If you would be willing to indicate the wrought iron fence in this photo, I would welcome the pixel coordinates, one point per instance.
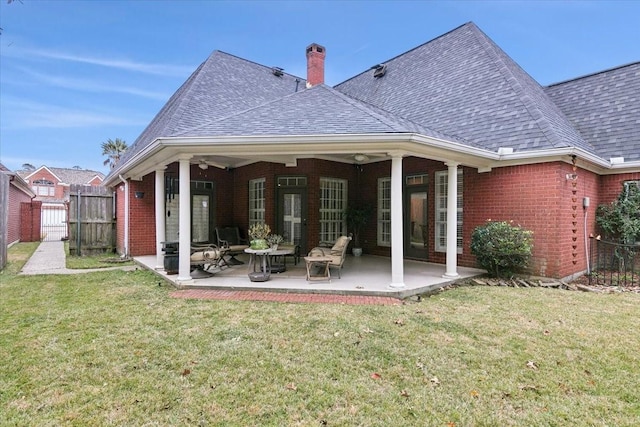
(614, 264)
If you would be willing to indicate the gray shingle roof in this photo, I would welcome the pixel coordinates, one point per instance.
(462, 84)
(68, 175)
(605, 108)
(224, 84)
(459, 87)
(320, 110)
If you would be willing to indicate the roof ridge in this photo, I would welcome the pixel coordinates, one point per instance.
(468, 23)
(607, 70)
(540, 119)
(366, 108)
(237, 113)
(257, 63)
(370, 109)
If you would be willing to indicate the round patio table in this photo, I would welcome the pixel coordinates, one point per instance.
(263, 265)
(280, 267)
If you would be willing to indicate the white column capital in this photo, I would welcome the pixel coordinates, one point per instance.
(183, 157)
(396, 154)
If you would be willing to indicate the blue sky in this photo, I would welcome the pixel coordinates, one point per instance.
(76, 73)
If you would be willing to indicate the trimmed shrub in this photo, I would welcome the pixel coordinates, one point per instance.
(501, 248)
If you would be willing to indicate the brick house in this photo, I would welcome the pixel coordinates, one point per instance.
(437, 139)
(51, 187)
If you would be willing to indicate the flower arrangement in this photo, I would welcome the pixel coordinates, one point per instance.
(274, 239)
(258, 233)
(259, 230)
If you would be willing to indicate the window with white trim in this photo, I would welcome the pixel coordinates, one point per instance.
(384, 211)
(333, 202)
(44, 187)
(256, 201)
(441, 182)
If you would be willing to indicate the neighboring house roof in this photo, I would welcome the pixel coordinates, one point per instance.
(462, 84)
(17, 181)
(65, 176)
(224, 84)
(605, 108)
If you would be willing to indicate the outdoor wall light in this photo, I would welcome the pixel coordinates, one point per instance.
(139, 194)
(359, 157)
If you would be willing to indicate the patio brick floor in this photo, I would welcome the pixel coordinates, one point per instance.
(283, 297)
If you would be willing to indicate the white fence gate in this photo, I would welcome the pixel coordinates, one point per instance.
(54, 222)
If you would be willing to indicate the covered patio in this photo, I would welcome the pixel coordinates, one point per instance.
(365, 275)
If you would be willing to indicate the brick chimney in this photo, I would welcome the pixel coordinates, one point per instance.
(315, 64)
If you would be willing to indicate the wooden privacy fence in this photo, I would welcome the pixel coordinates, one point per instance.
(91, 220)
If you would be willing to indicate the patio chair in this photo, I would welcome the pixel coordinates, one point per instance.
(337, 252)
(209, 255)
(229, 238)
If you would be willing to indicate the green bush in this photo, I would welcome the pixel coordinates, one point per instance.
(620, 220)
(501, 248)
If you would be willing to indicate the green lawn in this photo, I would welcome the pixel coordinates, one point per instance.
(112, 348)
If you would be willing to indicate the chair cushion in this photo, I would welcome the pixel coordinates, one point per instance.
(237, 248)
(340, 244)
(211, 254)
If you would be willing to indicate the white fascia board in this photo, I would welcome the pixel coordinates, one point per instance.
(318, 145)
(627, 167)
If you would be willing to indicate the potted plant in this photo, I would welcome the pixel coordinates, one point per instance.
(274, 240)
(357, 217)
(258, 233)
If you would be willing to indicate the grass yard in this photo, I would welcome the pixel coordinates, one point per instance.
(112, 348)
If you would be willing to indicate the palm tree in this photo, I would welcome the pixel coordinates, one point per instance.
(113, 150)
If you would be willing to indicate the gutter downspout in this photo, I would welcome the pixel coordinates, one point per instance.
(126, 215)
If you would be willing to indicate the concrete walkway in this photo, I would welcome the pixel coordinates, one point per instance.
(50, 258)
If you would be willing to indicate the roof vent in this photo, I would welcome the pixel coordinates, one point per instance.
(277, 71)
(616, 160)
(379, 70)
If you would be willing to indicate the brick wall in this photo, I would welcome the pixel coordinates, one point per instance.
(15, 200)
(611, 185)
(142, 226)
(537, 197)
(312, 169)
(60, 190)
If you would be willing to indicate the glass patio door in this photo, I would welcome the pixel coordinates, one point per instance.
(202, 213)
(416, 223)
(292, 217)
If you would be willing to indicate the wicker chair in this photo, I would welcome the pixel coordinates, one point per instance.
(337, 252)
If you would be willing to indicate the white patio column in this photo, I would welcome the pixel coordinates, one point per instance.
(452, 221)
(160, 218)
(397, 235)
(184, 228)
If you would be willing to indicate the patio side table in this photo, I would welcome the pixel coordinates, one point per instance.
(264, 264)
(280, 267)
(324, 262)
